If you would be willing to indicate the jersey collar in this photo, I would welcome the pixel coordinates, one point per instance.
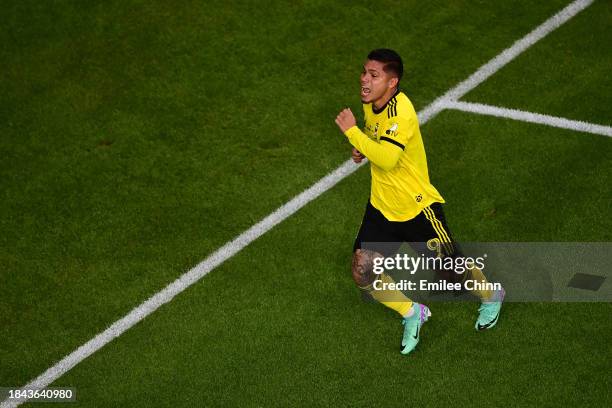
(382, 108)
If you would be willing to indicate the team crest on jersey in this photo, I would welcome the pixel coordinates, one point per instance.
(392, 130)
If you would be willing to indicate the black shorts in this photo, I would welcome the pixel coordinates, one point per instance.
(427, 233)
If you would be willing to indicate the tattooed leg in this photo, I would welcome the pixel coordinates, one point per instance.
(364, 277)
(363, 267)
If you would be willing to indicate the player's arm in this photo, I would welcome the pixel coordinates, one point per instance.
(356, 155)
(385, 154)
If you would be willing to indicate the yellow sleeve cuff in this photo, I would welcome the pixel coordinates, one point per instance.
(352, 132)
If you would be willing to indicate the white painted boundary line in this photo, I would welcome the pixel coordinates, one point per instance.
(529, 117)
(232, 248)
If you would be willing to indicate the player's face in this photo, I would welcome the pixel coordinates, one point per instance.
(375, 82)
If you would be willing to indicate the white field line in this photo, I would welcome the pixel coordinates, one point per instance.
(507, 55)
(529, 117)
(231, 248)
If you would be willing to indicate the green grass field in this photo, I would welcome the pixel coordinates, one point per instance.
(137, 137)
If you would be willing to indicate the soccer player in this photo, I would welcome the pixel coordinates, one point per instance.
(404, 206)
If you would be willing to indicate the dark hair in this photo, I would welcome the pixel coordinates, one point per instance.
(391, 59)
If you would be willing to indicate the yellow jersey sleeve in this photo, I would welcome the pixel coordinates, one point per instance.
(384, 155)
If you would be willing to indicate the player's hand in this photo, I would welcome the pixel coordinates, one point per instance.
(357, 156)
(345, 120)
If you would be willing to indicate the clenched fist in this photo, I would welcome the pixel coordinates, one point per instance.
(345, 120)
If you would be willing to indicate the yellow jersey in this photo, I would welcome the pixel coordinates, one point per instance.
(392, 143)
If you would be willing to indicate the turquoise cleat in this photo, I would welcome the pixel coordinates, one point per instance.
(412, 327)
(489, 311)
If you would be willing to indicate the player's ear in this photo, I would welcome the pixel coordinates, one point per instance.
(393, 82)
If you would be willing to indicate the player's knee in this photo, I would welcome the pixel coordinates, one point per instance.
(363, 267)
